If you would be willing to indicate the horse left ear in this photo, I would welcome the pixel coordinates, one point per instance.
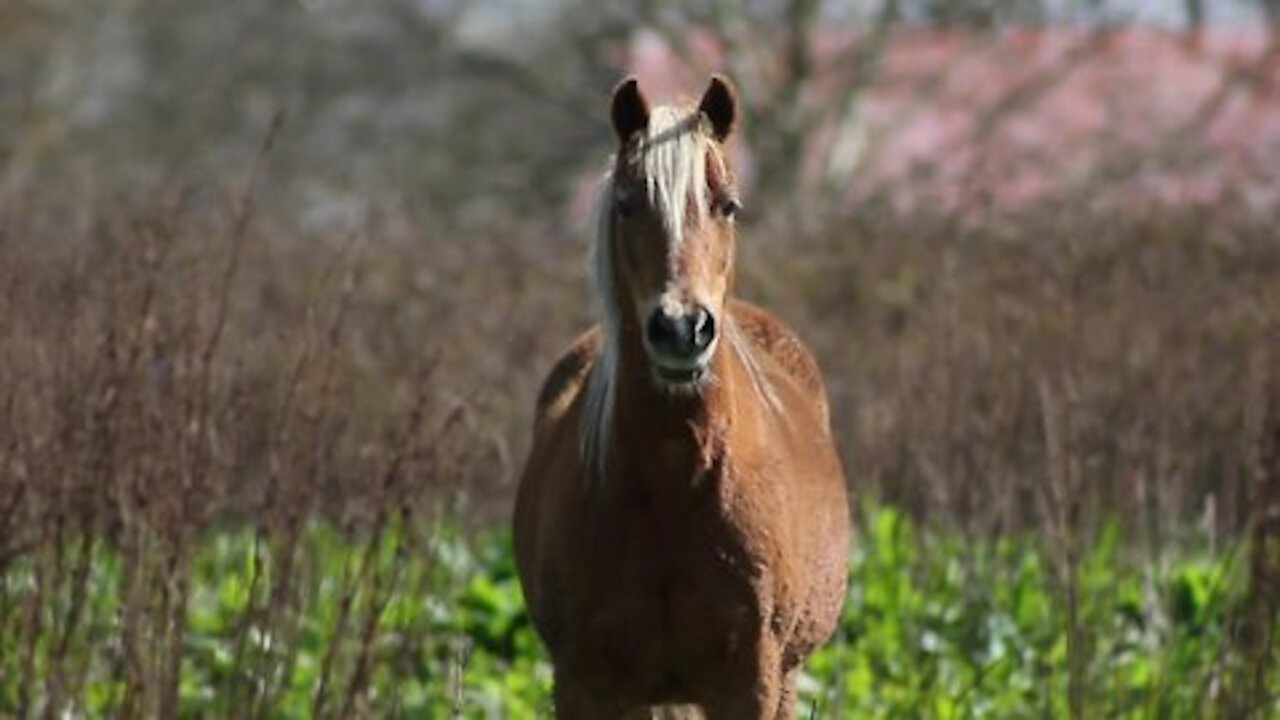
(720, 106)
(629, 110)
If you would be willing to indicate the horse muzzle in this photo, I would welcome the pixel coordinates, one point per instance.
(680, 344)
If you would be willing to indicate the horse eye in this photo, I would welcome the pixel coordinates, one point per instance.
(730, 207)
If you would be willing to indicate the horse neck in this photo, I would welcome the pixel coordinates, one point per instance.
(674, 435)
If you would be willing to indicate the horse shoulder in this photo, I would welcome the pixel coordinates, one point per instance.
(539, 496)
(780, 343)
(564, 382)
(813, 609)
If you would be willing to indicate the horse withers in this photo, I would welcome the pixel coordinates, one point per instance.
(682, 526)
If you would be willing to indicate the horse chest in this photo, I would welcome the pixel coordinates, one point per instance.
(669, 590)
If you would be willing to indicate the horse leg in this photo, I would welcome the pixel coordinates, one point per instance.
(757, 692)
(574, 702)
(787, 696)
(758, 701)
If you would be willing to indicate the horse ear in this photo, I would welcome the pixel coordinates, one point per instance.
(629, 110)
(720, 105)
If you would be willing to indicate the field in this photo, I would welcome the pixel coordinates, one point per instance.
(400, 624)
(279, 283)
(250, 474)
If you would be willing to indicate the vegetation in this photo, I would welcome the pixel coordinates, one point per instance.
(398, 624)
(235, 491)
(258, 442)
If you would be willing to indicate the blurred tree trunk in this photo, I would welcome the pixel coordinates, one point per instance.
(778, 128)
(1270, 11)
(985, 13)
(1194, 12)
(769, 51)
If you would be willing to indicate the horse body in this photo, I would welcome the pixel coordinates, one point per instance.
(700, 555)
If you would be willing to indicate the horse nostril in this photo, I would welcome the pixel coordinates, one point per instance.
(663, 331)
(704, 328)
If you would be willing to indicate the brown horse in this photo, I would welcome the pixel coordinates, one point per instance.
(681, 527)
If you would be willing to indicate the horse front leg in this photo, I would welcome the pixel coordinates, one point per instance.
(574, 701)
(757, 691)
(787, 697)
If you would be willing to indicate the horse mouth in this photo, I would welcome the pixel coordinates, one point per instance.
(679, 377)
(680, 374)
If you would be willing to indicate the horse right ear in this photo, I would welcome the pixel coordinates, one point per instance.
(629, 109)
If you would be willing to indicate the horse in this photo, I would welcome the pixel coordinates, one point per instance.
(681, 525)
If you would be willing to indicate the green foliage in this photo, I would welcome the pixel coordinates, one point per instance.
(936, 625)
(948, 626)
(451, 635)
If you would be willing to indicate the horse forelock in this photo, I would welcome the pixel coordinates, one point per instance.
(672, 158)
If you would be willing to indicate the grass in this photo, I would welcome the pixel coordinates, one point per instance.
(245, 473)
(405, 624)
